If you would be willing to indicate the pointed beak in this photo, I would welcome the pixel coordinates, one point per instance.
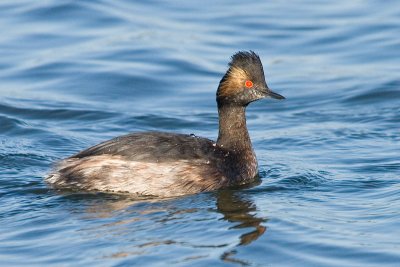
(274, 95)
(269, 93)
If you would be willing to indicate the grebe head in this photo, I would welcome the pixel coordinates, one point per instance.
(244, 82)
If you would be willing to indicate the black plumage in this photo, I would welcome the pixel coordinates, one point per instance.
(167, 164)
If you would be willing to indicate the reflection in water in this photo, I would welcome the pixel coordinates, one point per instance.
(238, 210)
(124, 218)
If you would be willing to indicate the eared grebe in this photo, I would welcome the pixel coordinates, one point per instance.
(167, 164)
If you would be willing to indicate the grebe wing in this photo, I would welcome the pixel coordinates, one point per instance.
(155, 146)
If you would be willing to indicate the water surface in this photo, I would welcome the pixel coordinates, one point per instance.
(77, 73)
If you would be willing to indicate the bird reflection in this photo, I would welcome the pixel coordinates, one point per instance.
(127, 213)
(232, 204)
(237, 209)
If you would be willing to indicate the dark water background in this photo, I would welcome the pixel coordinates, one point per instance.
(74, 73)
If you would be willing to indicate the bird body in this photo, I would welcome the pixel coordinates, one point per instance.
(167, 164)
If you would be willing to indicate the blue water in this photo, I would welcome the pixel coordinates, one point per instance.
(74, 73)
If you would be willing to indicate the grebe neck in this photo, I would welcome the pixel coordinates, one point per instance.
(233, 132)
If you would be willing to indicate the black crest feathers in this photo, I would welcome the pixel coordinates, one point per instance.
(244, 59)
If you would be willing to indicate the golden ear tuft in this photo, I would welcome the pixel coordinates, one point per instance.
(233, 81)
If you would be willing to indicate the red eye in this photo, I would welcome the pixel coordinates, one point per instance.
(248, 84)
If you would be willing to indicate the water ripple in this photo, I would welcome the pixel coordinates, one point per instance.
(77, 73)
